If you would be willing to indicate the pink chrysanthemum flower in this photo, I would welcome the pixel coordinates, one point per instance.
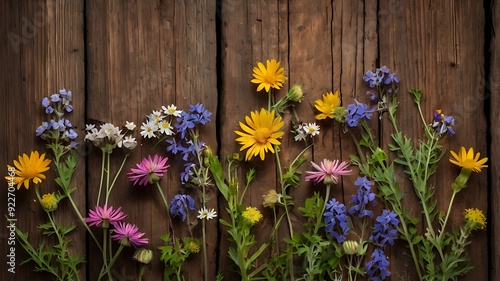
(149, 170)
(103, 216)
(328, 171)
(128, 234)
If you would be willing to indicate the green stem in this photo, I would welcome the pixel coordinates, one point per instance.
(447, 216)
(112, 262)
(103, 160)
(166, 207)
(205, 259)
(83, 221)
(116, 176)
(320, 215)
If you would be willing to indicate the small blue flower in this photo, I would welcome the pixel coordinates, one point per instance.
(55, 98)
(49, 110)
(443, 123)
(45, 102)
(357, 111)
(376, 269)
(385, 230)
(71, 134)
(335, 220)
(362, 198)
(180, 205)
(172, 146)
(187, 172)
(68, 108)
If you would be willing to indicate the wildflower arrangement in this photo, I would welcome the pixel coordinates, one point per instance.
(338, 239)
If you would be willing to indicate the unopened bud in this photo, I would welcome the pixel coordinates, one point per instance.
(351, 247)
(143, 255)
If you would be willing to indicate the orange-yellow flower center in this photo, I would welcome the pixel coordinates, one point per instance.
(30, 172)
(262, 135)
(271, 79)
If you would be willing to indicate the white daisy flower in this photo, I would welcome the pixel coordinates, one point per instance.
(156, 116)
(149, 129)
(311, 129)
(165, 128)
(172, 110)
(207, 214)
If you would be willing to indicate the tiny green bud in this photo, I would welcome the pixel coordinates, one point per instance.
(296, 93)
(461, 180)
(339, 114)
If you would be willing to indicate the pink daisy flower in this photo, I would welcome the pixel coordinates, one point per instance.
(128, 234)
(103, 216)
(149, 170)
(328, 171)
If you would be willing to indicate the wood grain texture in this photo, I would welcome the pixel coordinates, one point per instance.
(123, 59)
(142, 55)
(432, 48)
(40, 56)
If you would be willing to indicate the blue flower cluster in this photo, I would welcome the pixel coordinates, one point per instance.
(58, 128)
(385, 230)
(336, 220)
(362, 198)
(185, 145)
(376, 268)
(180, 205)
(357, 111)
(381, 76)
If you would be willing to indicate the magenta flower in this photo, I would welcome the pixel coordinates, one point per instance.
(329, 171)
(104, 216)
(128, 234)
(149, 170)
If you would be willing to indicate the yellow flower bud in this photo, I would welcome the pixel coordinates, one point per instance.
(296, 93)
(49, 202)
(271, 198)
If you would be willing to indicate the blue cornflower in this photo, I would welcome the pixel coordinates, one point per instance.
(356, 111)
(362, 198)
(385, 230)
(335, 220)
(376, 269)
(443, 123)
(180, 205)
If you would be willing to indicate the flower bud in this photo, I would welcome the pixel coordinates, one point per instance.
(351, 247)
(49, 202)
(339, 114)
(296, 93)
(153, 178)
(270, 198)
(143, 255)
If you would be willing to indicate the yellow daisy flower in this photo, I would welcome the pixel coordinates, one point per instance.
(476, 218)
(30, 168)
(467, 160)
(260, 133)
(270, 76)
(327, 105)
(252, 215)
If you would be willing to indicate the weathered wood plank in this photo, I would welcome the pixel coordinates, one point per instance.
(433, 49)
(143, 55)
(493, 91)
(41, 56)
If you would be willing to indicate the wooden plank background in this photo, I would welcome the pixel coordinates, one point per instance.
(123, 59)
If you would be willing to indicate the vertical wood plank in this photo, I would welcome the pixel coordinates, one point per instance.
(43, 53)
(142, 55)
(431, 49)
(494, 90)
